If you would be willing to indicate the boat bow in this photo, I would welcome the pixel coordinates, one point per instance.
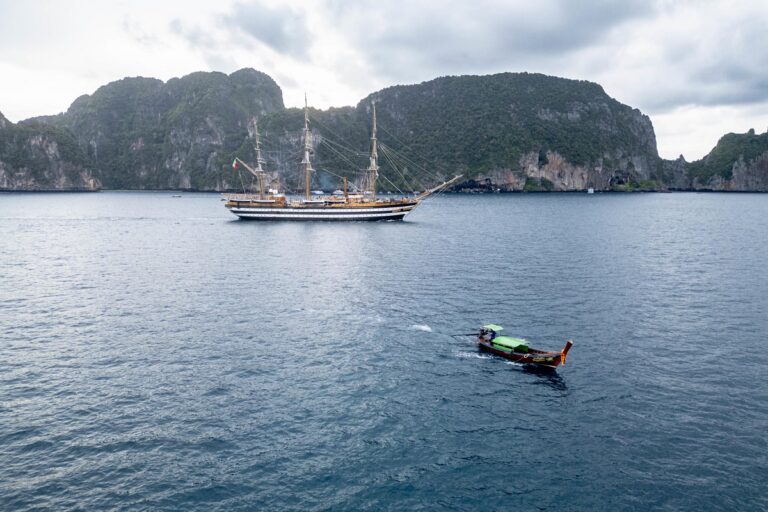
(564, 352)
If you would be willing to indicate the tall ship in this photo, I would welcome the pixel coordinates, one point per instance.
(340, 206)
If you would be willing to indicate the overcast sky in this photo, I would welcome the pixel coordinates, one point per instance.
(699, 69)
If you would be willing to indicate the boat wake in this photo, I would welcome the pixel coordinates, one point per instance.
(472, 355)
(421, 327)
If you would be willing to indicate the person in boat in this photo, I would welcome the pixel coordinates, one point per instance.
(487, 334)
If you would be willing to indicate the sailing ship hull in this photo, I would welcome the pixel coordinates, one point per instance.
(534, 358)
(371, 212)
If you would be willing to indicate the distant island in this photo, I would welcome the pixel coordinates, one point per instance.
(507, 132)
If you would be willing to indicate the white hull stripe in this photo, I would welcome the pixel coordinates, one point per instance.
(259, 215)
(327, 211)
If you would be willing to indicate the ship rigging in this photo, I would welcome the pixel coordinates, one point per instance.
(361, 205)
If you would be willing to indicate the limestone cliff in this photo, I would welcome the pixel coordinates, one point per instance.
(738, 163)
(41, 157)
(523, 131)
(552, 172)
(750, 176)
(503, 132)
(142, 133)
(509, 132)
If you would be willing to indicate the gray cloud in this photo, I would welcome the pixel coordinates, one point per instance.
(197, 38)
(219, 61)
(484, 36)
(680, 53)
(279, 28)
(212, 51)
(402, 41)
(138, 33)
(728, 67)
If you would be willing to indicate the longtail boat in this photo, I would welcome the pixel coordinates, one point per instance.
(518, 350)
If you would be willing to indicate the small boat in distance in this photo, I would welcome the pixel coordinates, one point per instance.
(518, 350)
(339, 206)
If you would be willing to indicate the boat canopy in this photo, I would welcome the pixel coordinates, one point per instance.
(516, 343)
(493, 327)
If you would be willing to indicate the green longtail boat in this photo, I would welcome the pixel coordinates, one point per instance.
(518, 350)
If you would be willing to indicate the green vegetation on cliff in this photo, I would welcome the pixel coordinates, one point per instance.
(141, 133)
(42, 157)
(509, 132)
(475, 125)
(145, 134)
(484, 123)
(730, 149)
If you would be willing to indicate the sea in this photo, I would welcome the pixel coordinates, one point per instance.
(158, 354)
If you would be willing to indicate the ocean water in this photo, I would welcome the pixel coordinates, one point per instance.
(158, 354)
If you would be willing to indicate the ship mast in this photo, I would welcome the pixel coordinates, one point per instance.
(259, 171)
(307, 148)
(373, 166)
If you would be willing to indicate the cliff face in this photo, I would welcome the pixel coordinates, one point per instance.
(142, 133)
(511, 131)
(504, 132)
(521, 131)
(552, 172)
(738, 163)
(751, 176)
(41, 157)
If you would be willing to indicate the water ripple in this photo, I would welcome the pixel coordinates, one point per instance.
(157, 356)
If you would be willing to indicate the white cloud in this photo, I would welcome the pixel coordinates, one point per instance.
(693, 130)
(698, 68)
